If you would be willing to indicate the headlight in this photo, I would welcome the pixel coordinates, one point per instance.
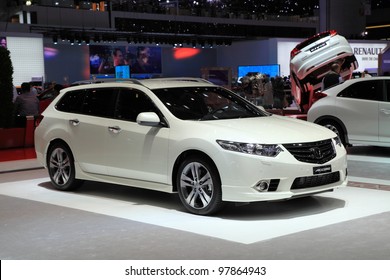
(337, 141)
(251, 148)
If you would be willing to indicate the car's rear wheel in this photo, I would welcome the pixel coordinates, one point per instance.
(336, 128)
(199, 186)
(60, 164)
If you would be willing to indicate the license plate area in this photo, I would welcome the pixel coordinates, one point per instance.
(317, 47)
(322, 169)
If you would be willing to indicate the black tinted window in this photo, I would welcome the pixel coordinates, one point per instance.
(312, 40)
(95, 102)
(367, 90)
(131, 102)
(206, 103)
(100, 102)
(71, 102)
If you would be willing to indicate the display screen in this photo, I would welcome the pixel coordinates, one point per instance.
(103, 60)
(272, 70)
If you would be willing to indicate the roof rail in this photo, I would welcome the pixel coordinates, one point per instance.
(184, 79)
(105, 80)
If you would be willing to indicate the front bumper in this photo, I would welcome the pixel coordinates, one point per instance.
(243, 172)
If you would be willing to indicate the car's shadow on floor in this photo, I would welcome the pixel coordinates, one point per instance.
(283, 210)
(279, 210)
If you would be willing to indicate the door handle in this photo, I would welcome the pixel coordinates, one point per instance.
(385, 111)
(114, 129)
(74, 122)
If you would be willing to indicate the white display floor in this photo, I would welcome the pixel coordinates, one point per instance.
(104, 221)
(243, 224)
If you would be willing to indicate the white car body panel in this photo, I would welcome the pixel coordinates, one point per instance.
(384, 122)
(138, 152)
(308, 61)
(366, 121)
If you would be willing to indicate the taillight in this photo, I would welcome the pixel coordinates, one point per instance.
(332, 32)
(38, 120)
(294, 52)
(317, 96)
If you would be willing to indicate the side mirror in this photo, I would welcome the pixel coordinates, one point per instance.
(148, 119)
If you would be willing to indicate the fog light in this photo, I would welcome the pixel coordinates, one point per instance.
(262, 185)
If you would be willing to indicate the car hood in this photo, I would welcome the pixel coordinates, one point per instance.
(266, 130)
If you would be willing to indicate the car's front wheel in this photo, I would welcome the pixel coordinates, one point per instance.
(60, 164)
(199, 186)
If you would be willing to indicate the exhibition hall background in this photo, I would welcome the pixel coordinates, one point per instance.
(65, 63)
(31, 29)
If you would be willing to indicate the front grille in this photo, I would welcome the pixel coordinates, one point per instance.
(315, 181)
(314, 152)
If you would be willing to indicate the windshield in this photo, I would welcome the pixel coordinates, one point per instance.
(206, 103)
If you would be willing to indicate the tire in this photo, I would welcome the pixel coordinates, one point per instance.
(336, 128)
(60, 164)
(199, 186)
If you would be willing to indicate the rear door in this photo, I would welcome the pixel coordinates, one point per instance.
(358, 108)
(88, 129)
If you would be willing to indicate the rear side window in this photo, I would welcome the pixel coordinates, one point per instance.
(72, 102)
(95, 102)
(366, 90)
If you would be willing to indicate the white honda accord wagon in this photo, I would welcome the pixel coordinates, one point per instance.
(187, 136)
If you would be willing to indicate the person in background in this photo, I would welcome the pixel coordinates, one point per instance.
(118, 58)
(26, 104)
(142, 64)
(268, 98)
(258, 88)
(109, 62)
(279, 94)
(332, 77)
